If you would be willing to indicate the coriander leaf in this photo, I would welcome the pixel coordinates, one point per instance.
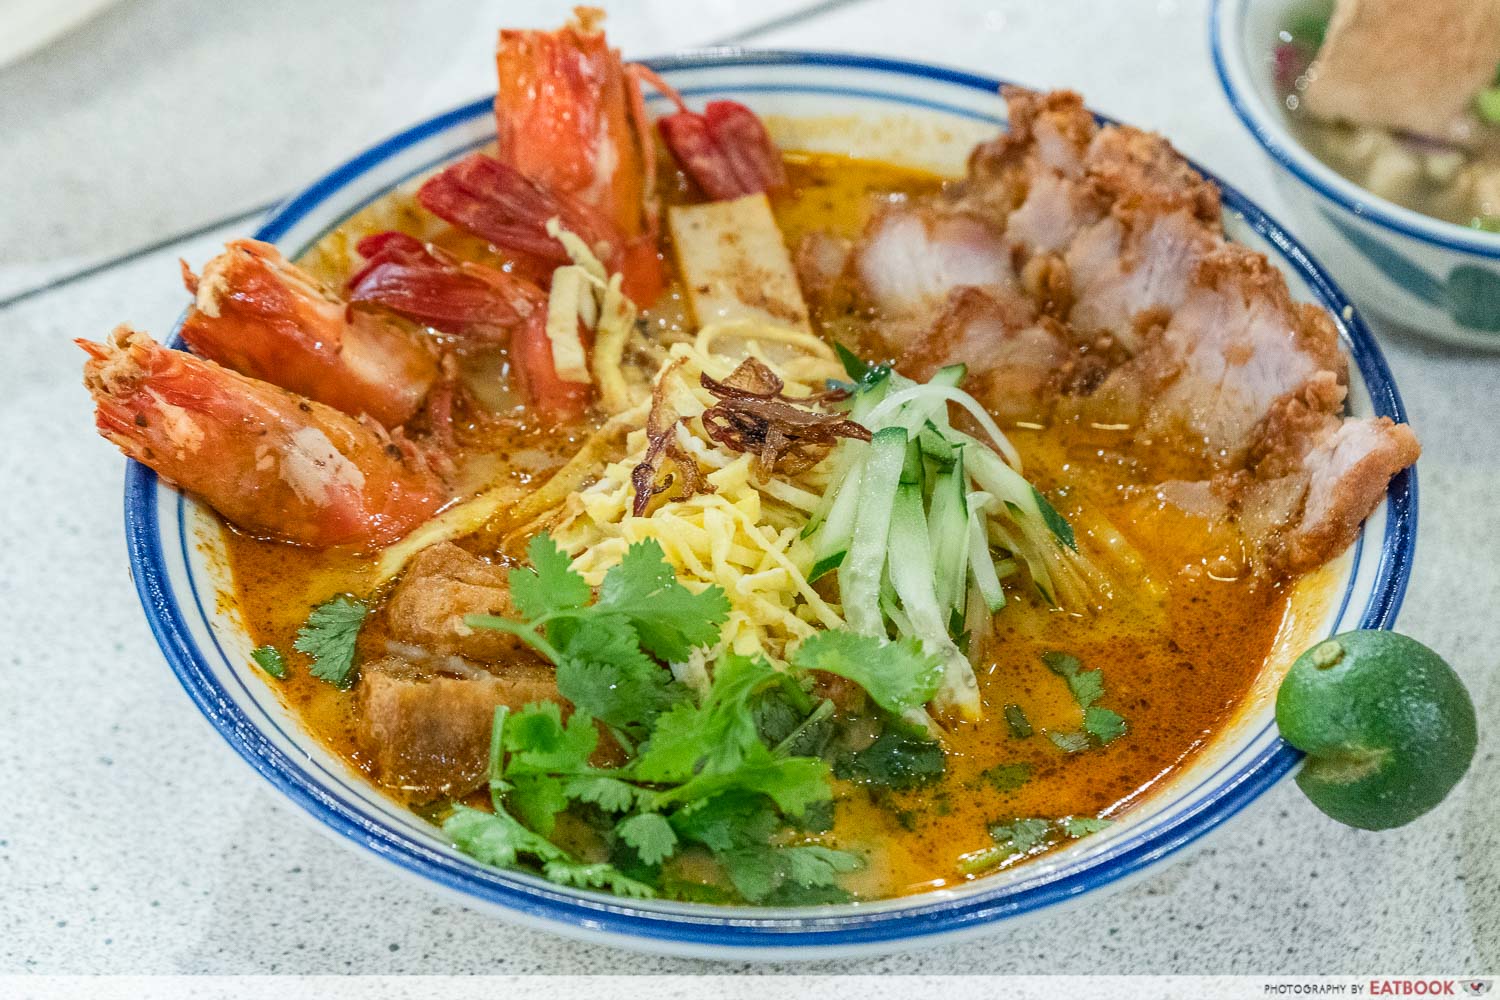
(673, 751)
(753, 871)
(1020, 726)
(1006, 777)
(816, 818)
(609, 794)
(269, 659)
(793, 783)
(651, 836)
(329, 637)
(894, 761)
(1103, 725)
(549, 585)
(596, 876)
(1069, 742)
(815, 866)
(496, 838)
(757, 872)
(603, 672)
(1082, 826)
(537, 799)
(1056, 523)
(726, 822)
(791, 894)
(714, 737)
(1087, 687)
(1062, 664)
(1022, 834)
(670, 619)
(775, 717)
(539, 743)
(898, 675)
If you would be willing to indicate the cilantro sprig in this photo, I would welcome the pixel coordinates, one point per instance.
(700, 776)
(604, 650)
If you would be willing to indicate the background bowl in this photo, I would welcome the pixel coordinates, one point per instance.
(1435, 277)
(904, 112)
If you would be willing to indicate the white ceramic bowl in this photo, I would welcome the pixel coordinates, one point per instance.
(1432, 276)
(922, 115)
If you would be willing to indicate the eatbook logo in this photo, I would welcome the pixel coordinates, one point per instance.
(1476, 987)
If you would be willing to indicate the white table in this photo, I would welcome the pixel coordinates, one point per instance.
(131, 840)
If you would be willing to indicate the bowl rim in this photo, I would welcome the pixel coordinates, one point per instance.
(1225, 31)
(735, 931)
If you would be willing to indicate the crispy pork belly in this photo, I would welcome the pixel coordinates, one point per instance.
(1409, 66)
(442, 584)
(427, 734)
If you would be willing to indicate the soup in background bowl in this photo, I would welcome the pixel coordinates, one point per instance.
(1404, 218)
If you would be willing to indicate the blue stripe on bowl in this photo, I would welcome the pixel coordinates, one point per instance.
(705, 929)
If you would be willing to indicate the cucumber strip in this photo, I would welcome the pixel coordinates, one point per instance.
(836, 531)
(981, 561)
(933, 396)
(952, 376)
(848, 454)
(912, 575)
(935, 445)
(912, 472)
(947, 525)
(859, 577)
(891, 605)
(912, 405)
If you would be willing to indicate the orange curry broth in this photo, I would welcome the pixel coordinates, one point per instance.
(1177, 657)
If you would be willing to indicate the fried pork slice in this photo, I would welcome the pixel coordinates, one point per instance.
(912, 258)
(1016, 358)
(1311, 514)
(442, 584)
(1236, 351)
(426, 734)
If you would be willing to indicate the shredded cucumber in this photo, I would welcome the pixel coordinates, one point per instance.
(947, 529)
(981, 562)
(859, 576)
(912, 521)
(913, 574)
(932, 396)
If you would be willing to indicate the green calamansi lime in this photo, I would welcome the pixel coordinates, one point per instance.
(1387, 726)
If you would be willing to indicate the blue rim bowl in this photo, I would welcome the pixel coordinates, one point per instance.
(197, 641)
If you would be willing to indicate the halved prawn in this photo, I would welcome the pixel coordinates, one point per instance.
(496, 202)
(271, 462)
(569, 117)
(263, 316)
(574, 144)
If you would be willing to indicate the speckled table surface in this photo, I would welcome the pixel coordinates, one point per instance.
(131, 840)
